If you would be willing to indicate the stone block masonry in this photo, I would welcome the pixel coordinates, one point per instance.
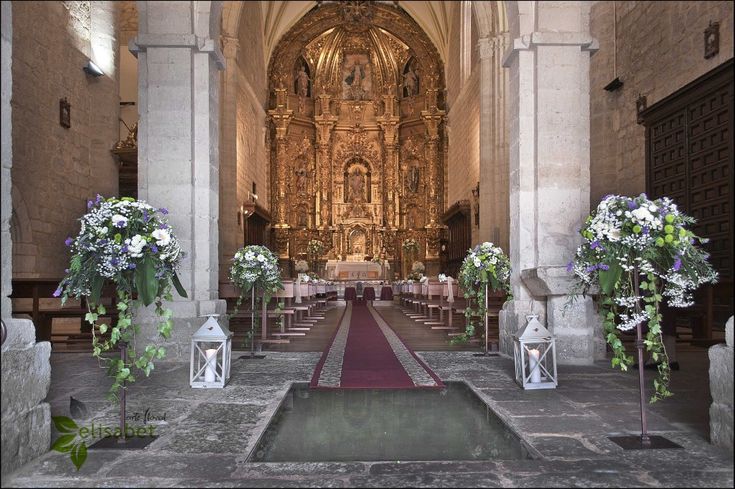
(660, 48)
(721, 390)
(55, 169)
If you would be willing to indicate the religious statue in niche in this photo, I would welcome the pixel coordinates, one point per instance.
(413, 218)
(412, 177)
(356, 182)
(302, 83)
(410, 80)
(356, 77)
(302, 177)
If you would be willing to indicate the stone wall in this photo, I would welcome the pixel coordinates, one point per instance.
(243, 158)
(55, 169)
(721, 389)
(463, 122)
(26, 371)
(660, 48)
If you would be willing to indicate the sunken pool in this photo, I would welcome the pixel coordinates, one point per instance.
(385, 425)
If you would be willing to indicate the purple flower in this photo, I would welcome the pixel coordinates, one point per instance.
(120, 224)
(162, 226)
(103, 242)
(603, 266)
(646, 230)
(89, 204)
(99, 199)
(632, 205)
(591, 268)
(146, 217)
(570, 266)
(595, 244)
(66, 270)
(68, 241)
(57, 292)
(114, 262)
(163, 211)
(154, 248)
(131, 266)
(124, 249)
(677, 264)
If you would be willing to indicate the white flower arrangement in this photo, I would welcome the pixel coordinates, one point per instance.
(128, 243)
(256, 266)
(301, 266)
(485, 264)
(315, 247)
(638, 252)
(442, 278)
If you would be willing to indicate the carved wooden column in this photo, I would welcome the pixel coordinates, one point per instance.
(281, 117)
(433, 117)
(389, 124)
(325, 123)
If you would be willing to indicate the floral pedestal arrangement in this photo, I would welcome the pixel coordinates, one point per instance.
(255, 268)
(485, 268)
(130, 244)
(639, 253)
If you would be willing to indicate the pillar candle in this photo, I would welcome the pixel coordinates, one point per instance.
(533, 359)
(211, 365)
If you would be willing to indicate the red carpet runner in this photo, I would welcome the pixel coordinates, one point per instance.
(365, 353)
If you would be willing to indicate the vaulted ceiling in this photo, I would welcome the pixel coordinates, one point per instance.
(433, 16)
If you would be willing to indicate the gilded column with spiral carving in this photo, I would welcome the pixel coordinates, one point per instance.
(389, 123)
(281, 117)
(325, 123)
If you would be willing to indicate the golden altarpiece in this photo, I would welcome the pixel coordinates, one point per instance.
(357, 136)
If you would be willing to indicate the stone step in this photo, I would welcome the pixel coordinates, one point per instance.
(289, 334)
(275, 341)
(447, 328)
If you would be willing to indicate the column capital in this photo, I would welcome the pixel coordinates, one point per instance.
(230, 45)
(142, 42)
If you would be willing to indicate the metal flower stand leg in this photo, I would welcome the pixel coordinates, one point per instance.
(487, 352)
(644, 441)
(253, 356)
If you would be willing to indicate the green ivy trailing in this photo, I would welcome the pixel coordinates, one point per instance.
(130, 244)
(639, 253)
(485, 264)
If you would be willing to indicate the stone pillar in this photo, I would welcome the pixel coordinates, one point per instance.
(550, 175)
(26, 371)
(230, 231)
(494, 141)
(178, 150)
(721, 390)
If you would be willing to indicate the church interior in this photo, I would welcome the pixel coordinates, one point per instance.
(369, 146)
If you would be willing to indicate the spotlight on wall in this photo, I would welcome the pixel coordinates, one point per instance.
(92, 69)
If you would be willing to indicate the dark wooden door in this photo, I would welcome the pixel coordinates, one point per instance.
(689, 157)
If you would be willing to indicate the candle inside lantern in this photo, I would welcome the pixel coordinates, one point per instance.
(533, 366)
(211, 363)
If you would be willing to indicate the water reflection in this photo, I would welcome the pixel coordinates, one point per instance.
(386, 425)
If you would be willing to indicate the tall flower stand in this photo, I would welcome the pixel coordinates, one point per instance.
(493, 350)
(252, 355)
(644, 441)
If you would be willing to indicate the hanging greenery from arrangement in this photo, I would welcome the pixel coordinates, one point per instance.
(639, 253)
(130, 244)
(485, 264)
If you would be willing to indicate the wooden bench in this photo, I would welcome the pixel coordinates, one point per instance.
(33, 297)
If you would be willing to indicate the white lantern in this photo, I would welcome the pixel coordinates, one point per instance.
(534, 349)
(211, 354)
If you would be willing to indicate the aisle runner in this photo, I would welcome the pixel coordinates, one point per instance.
(366, 353)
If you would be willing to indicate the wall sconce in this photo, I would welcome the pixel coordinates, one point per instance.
(92, 69)
(711, 40)
(641, 104)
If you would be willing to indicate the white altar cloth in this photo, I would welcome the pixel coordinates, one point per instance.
(344, 270)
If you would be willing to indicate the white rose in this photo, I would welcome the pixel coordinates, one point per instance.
(260, 258)
(103, 231)
(614, 235)
(161, 236)
(117, 219)
(478, 263)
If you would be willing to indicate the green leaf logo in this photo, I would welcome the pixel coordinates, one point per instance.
(66, 442)
(65, 424)
(79, 454)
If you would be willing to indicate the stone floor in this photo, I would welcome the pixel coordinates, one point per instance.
(208, 434)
